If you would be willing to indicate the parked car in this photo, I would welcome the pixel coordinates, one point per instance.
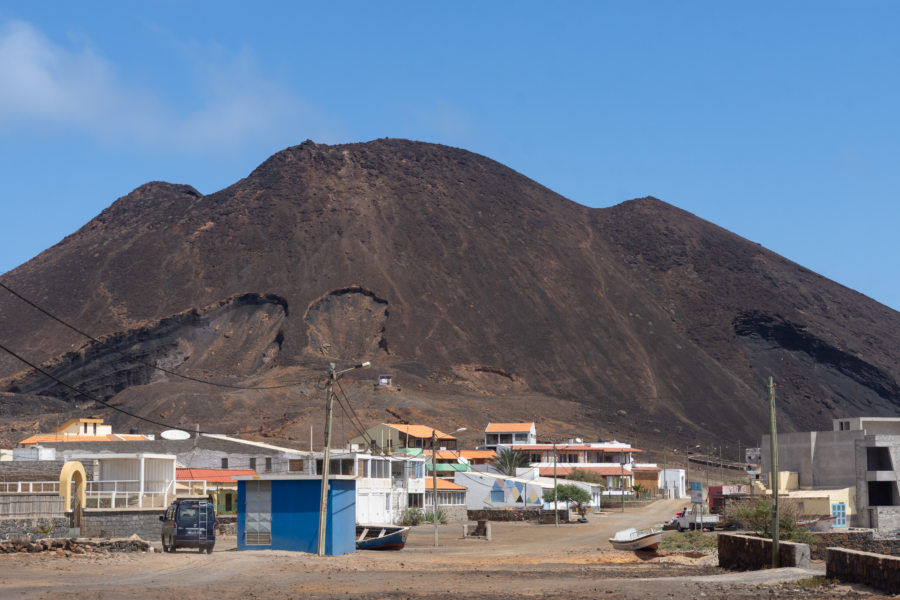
(189, 523)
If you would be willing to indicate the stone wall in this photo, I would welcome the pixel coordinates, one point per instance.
(455, 513)
(31, 470)
(864, 540)
(874, 570)
(517, 514)
(30, 529)
(747, 553)
(122, 523)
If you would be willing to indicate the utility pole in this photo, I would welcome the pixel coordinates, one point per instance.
(555, 500)
(326, 455)
(622, 478)
(434, 484)
(666, 470)
(326, 459)
(773, 449)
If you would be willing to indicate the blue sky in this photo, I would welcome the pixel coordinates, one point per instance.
(778, 121)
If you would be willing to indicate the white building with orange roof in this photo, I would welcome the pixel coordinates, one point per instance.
(394, 436)
(83, 429)
(509, 433)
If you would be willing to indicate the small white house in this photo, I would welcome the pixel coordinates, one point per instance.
(508, 434)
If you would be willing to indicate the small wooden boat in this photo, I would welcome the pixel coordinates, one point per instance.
(380, 537)
(637, 539)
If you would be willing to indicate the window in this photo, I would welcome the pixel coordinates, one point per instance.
(95, 429)
(268, 464)
(879, 459)
(224, 463)
(295, 465)
(496, 496)
(839, 512)
(253, 463)
(415, 500)
(536, 458)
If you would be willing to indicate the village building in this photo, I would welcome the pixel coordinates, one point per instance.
(853, 470)
(493, 490)
(281, 512)
(451, 499)
(509, 433)
(218, 485)
(390, 437)
(612, 462)
(80, 431)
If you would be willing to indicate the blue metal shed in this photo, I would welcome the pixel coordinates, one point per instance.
(281, 512)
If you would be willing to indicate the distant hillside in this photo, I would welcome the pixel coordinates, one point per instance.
(486, 295)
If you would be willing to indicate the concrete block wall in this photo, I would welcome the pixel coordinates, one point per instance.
(874, 570)
(864, 540)
(455, 514)
(122, 523)
(748, 553)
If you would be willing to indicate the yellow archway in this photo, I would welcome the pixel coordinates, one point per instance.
(72, 470)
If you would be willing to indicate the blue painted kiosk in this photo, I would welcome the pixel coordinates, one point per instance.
(281, 512)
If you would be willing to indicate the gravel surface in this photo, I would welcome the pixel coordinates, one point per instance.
(523, 560)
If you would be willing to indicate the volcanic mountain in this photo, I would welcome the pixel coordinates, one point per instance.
(487, 296)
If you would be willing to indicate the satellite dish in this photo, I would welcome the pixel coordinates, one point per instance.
(175, 434)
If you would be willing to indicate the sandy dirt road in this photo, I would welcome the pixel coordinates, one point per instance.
(523, 560)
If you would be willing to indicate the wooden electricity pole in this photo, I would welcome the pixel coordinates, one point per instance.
(773, 449)
(326, 459)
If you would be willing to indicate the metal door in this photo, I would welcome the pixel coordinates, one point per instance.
(258, 525)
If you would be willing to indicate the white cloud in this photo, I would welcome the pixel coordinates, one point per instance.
(45, 84)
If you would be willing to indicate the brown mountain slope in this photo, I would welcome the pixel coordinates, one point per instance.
(489, 295)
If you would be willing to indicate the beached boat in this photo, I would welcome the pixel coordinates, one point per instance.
(380, 537)
(637, 539)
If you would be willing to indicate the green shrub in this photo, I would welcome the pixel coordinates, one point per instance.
(412, 516)
(441, 515)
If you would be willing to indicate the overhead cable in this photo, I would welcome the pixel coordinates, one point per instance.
(141, 361)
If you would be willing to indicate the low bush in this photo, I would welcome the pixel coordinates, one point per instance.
(689, 540)
(412, 516)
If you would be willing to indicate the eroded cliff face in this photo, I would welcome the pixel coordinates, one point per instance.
(488, 297)
(228, 341)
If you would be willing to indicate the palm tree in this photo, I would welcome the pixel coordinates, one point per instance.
(508, 461)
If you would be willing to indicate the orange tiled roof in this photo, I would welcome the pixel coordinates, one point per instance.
(647, 469)
(565, 471)
(508, 427)
(45, 438)
(420, 431)
(470, 454)
(212, 475)
(442, 454)
(443, 484)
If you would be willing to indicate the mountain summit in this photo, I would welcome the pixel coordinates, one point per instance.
(486, 295)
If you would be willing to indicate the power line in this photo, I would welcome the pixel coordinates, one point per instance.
(139, 360)
(104, 402)
(357, 424)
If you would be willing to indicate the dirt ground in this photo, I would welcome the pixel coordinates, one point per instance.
(523, 560)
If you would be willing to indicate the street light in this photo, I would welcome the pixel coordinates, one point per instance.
(326, 456)
(434, 493)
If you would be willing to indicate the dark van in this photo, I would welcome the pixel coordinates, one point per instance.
(189, 523)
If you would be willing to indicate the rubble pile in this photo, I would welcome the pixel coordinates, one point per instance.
(70, 546)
